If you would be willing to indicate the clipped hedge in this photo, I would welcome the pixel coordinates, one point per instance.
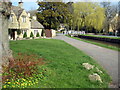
(31, 34)
(25, 35)
(37, 35)
(111, 40)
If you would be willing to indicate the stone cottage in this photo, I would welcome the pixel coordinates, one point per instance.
(113, 25)
(21, 22)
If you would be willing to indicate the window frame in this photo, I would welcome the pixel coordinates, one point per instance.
(24, 19)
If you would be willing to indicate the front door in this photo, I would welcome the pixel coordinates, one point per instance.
(48, 33)
(12, 34)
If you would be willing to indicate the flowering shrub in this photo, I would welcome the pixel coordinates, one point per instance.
(23, 71)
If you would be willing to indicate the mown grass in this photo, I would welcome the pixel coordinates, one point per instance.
(96, 43)
(64, 64)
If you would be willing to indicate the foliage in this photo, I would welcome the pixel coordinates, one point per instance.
(37, 35)
(18, 31)
(31, 34)
(51, 14)
(110, 12)
(9, 31)
(42, 33)
(25, 35)
(102, 36)
(17, 73)
(23, 82)
(88, 14)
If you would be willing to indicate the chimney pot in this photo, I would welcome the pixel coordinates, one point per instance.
(20, 4)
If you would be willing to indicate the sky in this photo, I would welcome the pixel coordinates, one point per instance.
(32, 5)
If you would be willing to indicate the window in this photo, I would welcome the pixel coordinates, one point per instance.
(23, 31)
(23, 19)
(11, 18)
(35, 32)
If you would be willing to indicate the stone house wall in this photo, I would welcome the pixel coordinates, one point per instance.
(13, 24)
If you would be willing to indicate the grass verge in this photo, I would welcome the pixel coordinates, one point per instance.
(98, 44)
(64, 64)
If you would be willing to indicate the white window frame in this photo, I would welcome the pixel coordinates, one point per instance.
(24, 19)
(35, 32)
(11, 18)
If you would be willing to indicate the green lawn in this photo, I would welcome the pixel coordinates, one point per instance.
(64, 64)
(98, 44)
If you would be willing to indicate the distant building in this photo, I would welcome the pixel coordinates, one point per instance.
(113, 25)
(61, 27)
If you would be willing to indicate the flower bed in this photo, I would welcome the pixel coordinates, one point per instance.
(23, 71)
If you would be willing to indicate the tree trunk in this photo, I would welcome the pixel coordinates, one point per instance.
(5, 52)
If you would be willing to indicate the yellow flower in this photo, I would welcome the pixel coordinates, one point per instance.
(8, 82)
(23, 79)
(5, 86)
(13, 86)
(22, 84)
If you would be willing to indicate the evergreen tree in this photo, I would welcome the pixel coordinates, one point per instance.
(51, 14)
(31, 34)
(25, 35)
(37, 35)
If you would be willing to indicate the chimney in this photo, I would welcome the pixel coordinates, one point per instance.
(34, 17)
(20, 4)
(28, 14)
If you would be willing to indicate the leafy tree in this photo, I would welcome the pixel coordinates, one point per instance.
(37, 35)
(88, 15)
(110, 12)
(51, 14)
(31, 34)
(70, 20)
(118, 21)
(25, 35)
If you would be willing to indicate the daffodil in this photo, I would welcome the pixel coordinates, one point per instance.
(13, 86)
(8, 82)
(4, 86)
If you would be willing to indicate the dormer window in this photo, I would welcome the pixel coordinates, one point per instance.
(11, 18)
(23, 19)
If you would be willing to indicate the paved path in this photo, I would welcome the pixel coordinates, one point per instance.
(105, 57)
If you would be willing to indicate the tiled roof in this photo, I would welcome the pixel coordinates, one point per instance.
(17, 10)
(32, 12)
(36, 25)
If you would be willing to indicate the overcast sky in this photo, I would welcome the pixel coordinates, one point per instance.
(31, 4)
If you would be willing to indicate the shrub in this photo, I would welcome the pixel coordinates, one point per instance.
(21, 67)
(18, 31)
(31, 34)
(25, 35)
(42, 33)
(37, 35)
(110, 33)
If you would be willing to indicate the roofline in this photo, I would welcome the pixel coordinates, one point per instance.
(37, 28)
